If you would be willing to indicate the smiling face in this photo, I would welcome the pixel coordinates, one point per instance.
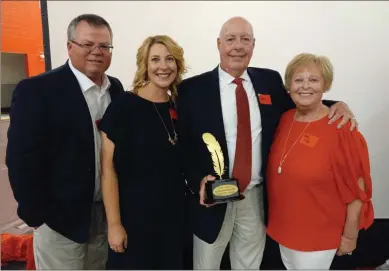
(83, 53)
(161, 66)
(307, 86)
(236, 46)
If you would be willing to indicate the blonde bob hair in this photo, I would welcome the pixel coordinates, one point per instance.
(141, 79)
(305, 59)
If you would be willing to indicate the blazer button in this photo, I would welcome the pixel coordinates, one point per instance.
(89, 169)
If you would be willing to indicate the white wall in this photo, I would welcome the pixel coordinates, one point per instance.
(353, 34)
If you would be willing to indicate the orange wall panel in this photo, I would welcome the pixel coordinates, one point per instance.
(21, 32)
(34, 65)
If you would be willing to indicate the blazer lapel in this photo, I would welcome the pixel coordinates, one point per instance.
(114, 89)
(261, 88)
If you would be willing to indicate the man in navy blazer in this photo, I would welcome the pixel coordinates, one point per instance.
(53, 150)
(227, 102)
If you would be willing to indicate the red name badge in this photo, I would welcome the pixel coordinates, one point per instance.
(173, 113)
(264, 99)
(309, 140)
(98, 123)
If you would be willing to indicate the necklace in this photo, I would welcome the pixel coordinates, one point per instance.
(286, 142)
(172, 141)
(287, 139)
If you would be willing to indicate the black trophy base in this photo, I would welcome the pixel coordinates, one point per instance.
(222, 191)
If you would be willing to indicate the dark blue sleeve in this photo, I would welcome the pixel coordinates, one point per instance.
(26, 154)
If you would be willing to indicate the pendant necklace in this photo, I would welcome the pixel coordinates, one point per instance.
(286, 142)
(172, 141)
(282, 160)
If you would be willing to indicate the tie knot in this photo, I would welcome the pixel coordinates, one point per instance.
(238, 81)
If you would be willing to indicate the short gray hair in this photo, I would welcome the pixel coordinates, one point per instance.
(91, 19)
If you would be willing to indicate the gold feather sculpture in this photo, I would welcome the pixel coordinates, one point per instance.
(216, 153)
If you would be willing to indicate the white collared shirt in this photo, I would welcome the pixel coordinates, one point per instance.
(228, 101)
(98, 99)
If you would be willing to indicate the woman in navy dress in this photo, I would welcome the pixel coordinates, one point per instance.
(142, 185)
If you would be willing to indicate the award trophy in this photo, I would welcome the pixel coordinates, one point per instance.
(221, 190)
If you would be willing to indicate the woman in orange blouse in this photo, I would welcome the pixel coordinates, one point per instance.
(319, 182)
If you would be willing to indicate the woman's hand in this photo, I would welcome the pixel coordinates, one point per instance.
(347, 245)
(117, 238)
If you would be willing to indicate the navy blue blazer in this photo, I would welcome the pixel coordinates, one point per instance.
(50, 153)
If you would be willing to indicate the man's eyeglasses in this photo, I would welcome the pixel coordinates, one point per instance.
(104, 48)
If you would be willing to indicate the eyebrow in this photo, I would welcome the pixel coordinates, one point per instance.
(160, 56)
(241, 35)
(313, 75)
(88, 41)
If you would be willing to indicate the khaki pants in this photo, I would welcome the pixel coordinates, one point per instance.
(243, 227)
(54, 251)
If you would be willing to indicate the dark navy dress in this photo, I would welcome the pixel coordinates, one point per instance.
(151, 186)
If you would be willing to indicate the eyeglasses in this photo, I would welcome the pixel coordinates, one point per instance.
(104, 48)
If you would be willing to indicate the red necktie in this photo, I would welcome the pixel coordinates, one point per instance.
(243, 151)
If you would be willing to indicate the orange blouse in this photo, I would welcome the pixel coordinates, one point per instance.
(319, 177)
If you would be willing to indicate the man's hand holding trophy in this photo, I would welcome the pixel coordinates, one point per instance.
(222, 190)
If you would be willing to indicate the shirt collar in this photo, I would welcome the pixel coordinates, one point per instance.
(86, 83)
(225, 78)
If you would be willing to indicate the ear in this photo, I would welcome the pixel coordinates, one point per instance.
(69, 45)
(218, 43)
(254, 42)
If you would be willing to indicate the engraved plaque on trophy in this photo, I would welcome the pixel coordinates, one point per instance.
(220, 190)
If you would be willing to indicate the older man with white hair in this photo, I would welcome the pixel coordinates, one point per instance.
(241, 107)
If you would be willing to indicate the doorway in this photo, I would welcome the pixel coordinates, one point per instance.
(13, 70)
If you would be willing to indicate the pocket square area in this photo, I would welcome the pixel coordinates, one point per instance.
(264, 98)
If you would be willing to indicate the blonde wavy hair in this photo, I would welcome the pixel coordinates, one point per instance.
(323, 63)
(141, 78)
